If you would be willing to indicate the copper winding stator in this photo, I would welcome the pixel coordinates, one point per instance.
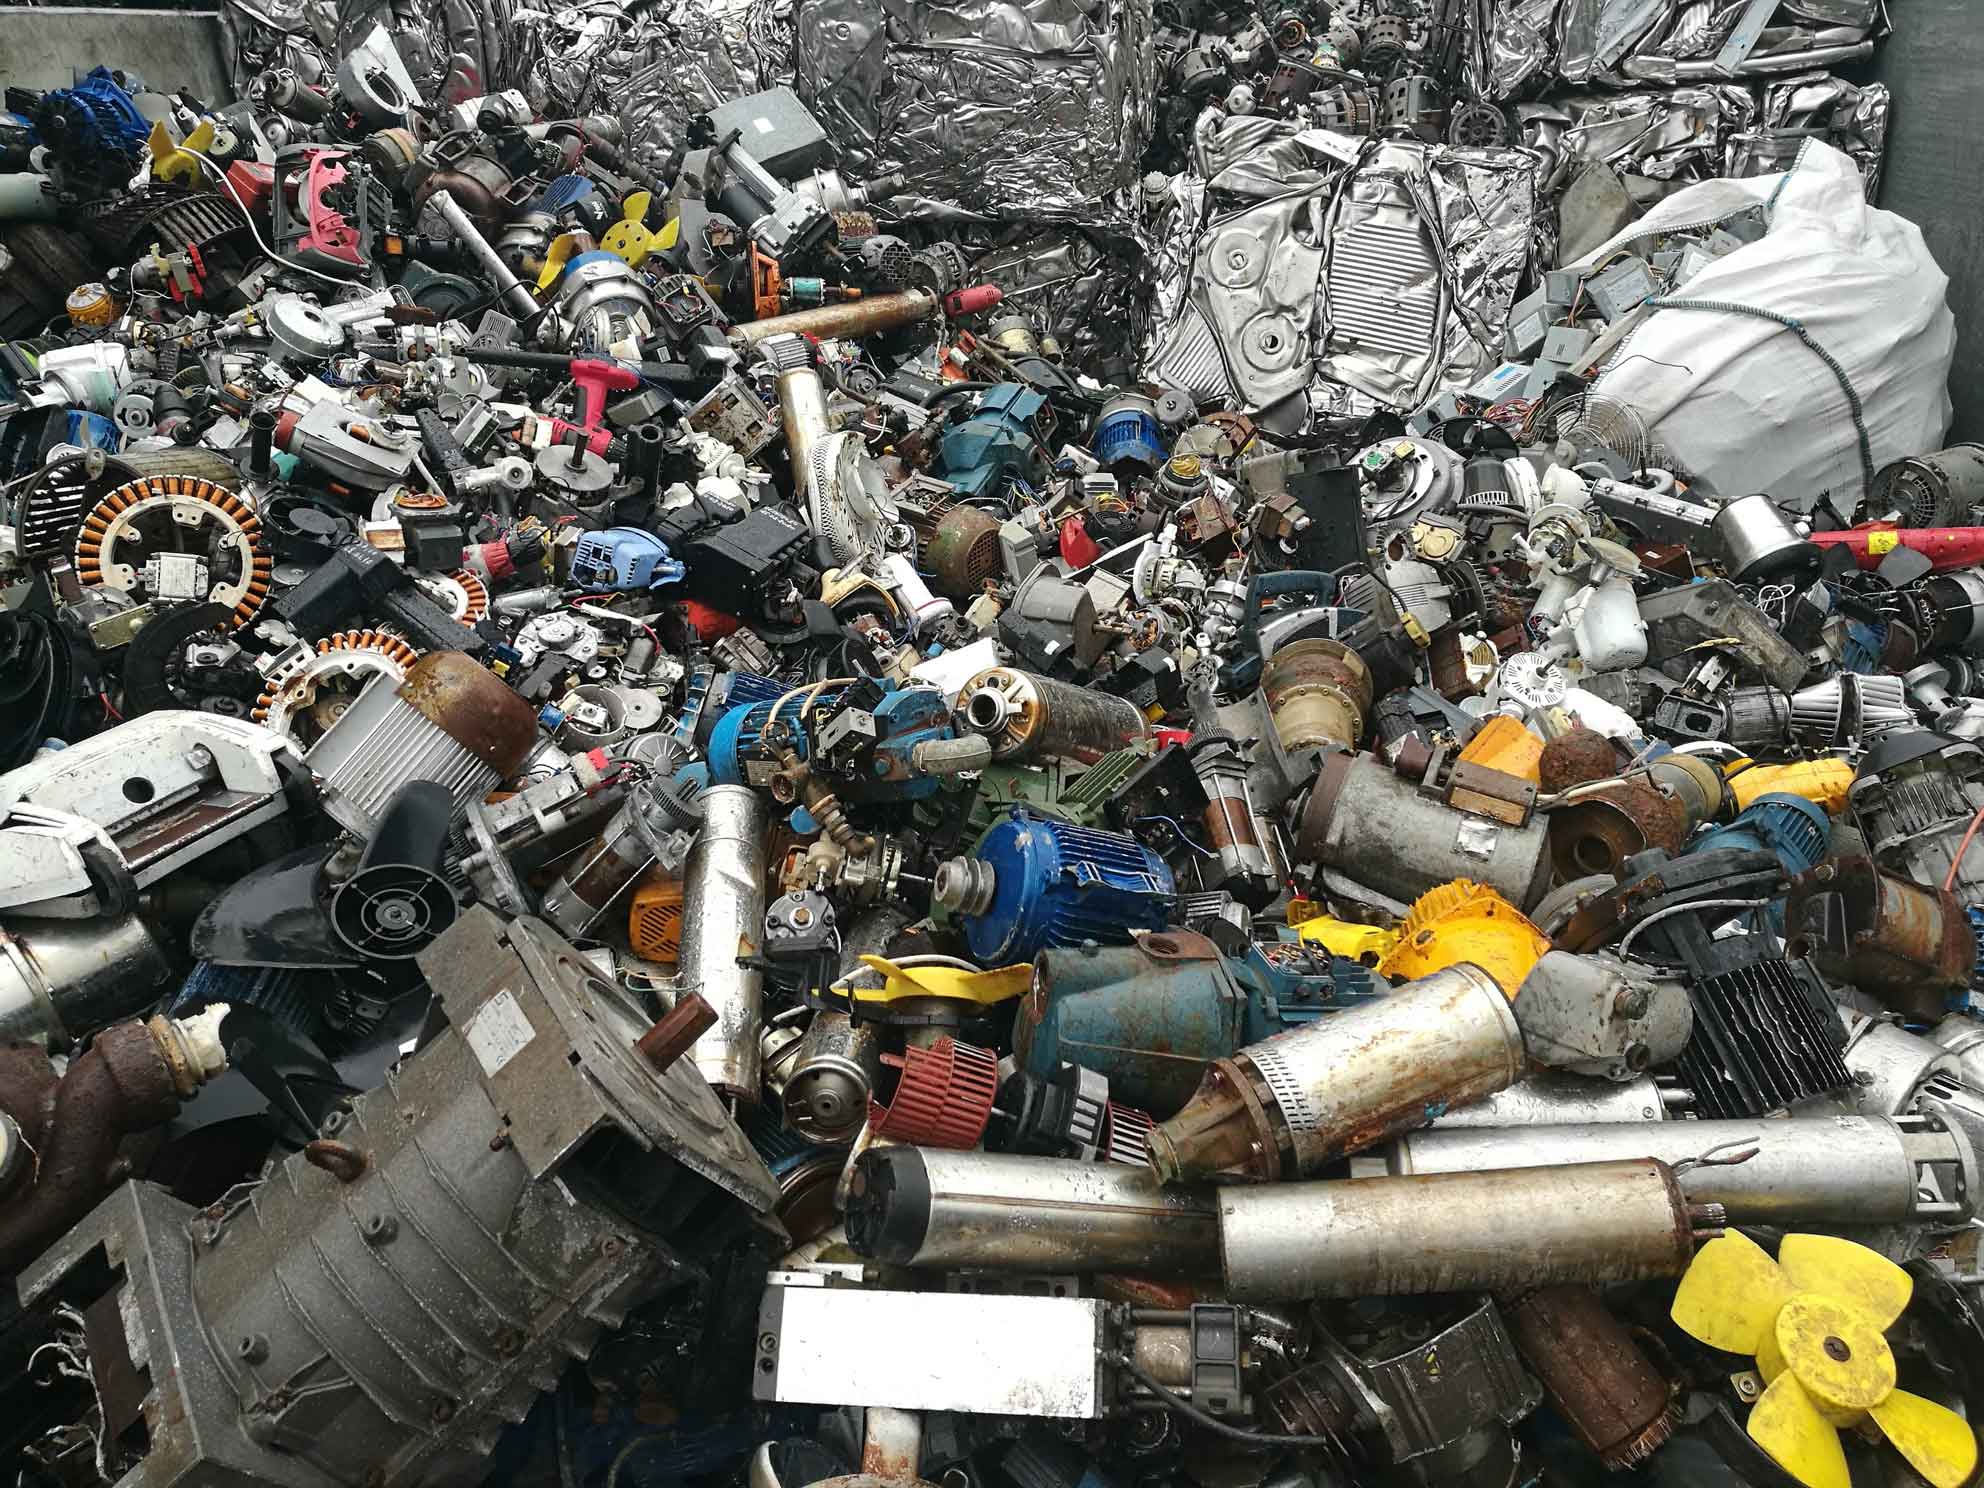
(131, 517)
(347, 658)
(460, 593)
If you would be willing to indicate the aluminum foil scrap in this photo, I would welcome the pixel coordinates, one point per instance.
(1040, 108)
(1385, 277)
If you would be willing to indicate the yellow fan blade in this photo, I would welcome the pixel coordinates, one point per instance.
(635, 207)
(1937, 1442)
(1787, 1425)
(1770, 1358)
(563, 247)
(944, 981)
(1730, 1295)
(1837, 1353)
(1864, 1280)
(160, 141)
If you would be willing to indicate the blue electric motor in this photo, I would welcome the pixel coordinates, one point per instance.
(624, 558)
(94, 128)
(1126, 433)
(1002, 438)
(1790, 828)
(735, 738)
(1036, 883)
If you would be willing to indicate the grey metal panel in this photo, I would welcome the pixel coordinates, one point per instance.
(50, 47)
(1932, 63)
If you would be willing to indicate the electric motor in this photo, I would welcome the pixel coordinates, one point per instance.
(1035, 882)
(451, 721)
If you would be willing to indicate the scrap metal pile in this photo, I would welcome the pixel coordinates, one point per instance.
(1021, 745)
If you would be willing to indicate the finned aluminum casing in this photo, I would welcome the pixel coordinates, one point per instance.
(452, 721)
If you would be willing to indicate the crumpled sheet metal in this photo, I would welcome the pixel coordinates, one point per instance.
(1530, 44)
(1385, 276)
(1710, 129)
(1678, 134)
(1036, 109)
(690, 56)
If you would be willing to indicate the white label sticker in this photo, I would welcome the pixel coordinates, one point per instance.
(765, 126)
(498, 1032)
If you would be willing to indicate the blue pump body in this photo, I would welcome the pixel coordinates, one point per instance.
(1149, 1017)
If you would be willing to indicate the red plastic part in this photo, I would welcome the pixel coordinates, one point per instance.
(969, 301)
(1078, 549)
(489, 561)
(944, 1097)
(255, 181)
(595, 378)
(328, 237)
(1944, 547)
(709, 625)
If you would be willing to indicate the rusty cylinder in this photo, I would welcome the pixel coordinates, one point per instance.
(1460, 1232)
(1318, 693)
(863, 317)
(1292, 1104)
(1600, 1381)
(1030, 717)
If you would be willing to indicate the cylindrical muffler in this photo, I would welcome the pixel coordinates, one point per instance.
(1457, 1232)
(1808, 1170)
(1364, 821)
(1599, 1379)
(802, 401)
(919, 1206)
(723, 913)
(64, 978)
(831, 1077)
(1030, 717)
(452, 721)
(1286, 1107)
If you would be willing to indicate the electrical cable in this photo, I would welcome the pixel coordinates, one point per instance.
(1171, 1401)
(248, 218)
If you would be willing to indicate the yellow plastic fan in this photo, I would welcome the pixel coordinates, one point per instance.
(985, 987)
(1813, 1319)
(172, 162)
(630, 238)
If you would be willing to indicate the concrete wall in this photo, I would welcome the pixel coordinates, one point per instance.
(1934, 63)
(50, 46)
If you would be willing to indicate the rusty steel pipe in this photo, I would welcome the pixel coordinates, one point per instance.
(863, 317)
(130, 1079)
